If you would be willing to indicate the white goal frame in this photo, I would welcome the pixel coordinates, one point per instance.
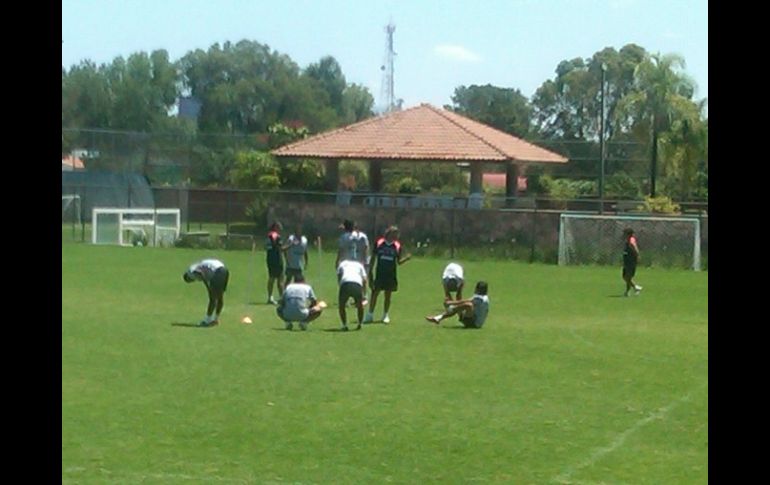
(147, 223)
(635, 222)
(73, 200)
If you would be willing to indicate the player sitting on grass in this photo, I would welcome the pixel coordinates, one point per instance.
(472, 312)
(214, 275)
(299, 304)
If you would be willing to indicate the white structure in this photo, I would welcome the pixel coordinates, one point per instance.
(127, 227)
(598, 239)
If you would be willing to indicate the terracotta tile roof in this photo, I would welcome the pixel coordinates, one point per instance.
(69, 163)
(420, 133)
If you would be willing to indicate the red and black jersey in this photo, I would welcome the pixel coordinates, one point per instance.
(273, 247)
(387, 254)
(629, 252)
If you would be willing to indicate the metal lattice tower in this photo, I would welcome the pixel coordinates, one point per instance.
(387, 71)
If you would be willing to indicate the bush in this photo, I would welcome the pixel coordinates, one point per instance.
(661, 205)
(620, 185)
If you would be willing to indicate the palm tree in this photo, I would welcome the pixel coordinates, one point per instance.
(662, 94)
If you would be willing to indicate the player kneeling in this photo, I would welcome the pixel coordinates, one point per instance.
(299, 304)
(472, 312)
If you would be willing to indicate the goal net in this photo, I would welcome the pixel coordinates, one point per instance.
(70, 209)
(663, 241)
(135, 227)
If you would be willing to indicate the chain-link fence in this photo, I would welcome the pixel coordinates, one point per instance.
(525, 229)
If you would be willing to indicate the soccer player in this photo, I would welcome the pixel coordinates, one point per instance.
(630, 259)
(274, 261)
(386, 258)
(299, 304)
(214, 275)
(351, 276)
(452, 280)
(346, 244)
(362, 246)
(472, 312)
(296, 255)
(362, 252)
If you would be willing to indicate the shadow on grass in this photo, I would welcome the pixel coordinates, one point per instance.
(186, 324)
(352, 329)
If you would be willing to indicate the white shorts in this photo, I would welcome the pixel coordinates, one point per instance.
(293, 314)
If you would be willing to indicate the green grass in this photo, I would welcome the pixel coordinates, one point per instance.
(566, 383)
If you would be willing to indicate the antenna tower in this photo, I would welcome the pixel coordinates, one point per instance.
(387, 69)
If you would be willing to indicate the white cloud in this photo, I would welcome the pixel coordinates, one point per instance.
(456, 53)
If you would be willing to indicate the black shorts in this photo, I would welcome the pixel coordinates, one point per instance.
(350, 290)
(293, 273)
(218, 284)
(386, 283)
(629, 270)
(274, 269)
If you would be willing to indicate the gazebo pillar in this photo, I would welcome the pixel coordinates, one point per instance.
(476, 178)
(375, 176)
(332, 179)
(511, 181)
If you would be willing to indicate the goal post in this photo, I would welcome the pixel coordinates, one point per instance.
(133, 227)
(598, 239)
(70, 208)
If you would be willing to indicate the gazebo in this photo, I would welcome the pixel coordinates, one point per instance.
(421, 134)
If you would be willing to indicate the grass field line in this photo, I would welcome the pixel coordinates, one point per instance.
(607, 350)
(141, 477)
(619, 440)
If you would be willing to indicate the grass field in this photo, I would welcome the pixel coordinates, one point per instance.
(568, 382)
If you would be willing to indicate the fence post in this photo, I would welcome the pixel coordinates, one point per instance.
(83, 218)
(452, 233)
(534, 233)
(227, 219)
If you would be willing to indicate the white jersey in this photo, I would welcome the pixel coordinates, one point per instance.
(480, 309)
(295, 252)
(362, 247)
(204, 270)
(347, 246)
(296, 300)
(453, 270)
(351, 272)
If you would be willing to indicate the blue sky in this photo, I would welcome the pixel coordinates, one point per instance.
(440, 44)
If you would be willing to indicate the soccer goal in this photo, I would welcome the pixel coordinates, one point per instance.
(135, 227)
(598, 239)
(70, 208)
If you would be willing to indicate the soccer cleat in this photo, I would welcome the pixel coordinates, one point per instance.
(271, 301)
(358, 327)
(368, 318)
(289, 325)
(432, 319)
(344, 327)
(637, 289)
(303, 325)
(385, 318)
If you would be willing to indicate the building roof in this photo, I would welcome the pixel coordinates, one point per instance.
(420, 133)
(71, 163)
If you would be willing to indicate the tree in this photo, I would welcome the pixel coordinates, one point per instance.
(357, 104)
(503, 108)
(328, 73)
(662, 94)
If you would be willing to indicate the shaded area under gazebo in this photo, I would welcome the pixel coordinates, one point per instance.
(421, 134)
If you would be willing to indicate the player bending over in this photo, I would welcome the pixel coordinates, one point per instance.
(214, 275)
